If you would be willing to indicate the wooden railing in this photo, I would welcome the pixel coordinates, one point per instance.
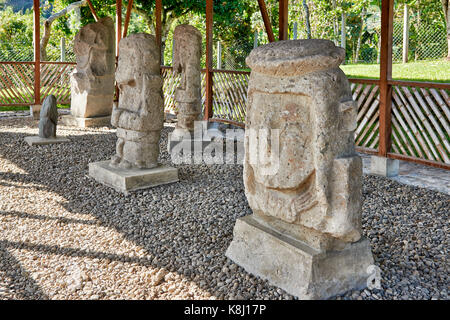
(419, 122)
(55, 79)
(17, 82)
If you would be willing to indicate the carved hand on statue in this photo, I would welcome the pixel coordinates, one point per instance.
(116, 112)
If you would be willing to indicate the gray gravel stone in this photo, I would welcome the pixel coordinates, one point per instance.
(65, 236)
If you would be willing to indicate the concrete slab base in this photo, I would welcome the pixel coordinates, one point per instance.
(294, 266)
(38, 141)
(126, 180)
(69, 120)
(384, 166)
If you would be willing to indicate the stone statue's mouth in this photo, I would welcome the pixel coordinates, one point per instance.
(306, 185)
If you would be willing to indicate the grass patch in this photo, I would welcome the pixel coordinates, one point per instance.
(21, 108)
(433, 71)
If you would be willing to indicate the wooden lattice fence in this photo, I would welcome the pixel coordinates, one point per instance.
(55, 79)
(367, 96)
(171, 82)
(420, 112)
(420, 122)
(17, 82)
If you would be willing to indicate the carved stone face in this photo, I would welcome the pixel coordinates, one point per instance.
(94, 47)
(126, 72)
(312, 176)
(290, 115)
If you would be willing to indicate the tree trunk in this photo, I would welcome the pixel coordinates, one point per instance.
(166, 24)
(307, 22)
(335, 23)
(343, 35)
(361, 31)
(48, 26)
(405, 33)
(418, 49)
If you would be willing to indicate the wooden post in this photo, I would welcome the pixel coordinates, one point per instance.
(209, 52)
(158, 28)
(387, 17)
(219, 55)
(343, 31)
(63, 49)
(405, 33)
(295, 30)
(283, 19)
(118, 24)
(92, 10)
(267, 24)
(37, 53)
(127, 18)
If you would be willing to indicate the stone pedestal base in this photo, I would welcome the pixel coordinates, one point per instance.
(69, 120)
(296, 267)
(383, 166)
(125, 180)
(37, 141)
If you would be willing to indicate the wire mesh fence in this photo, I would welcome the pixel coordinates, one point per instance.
(24, 51)
(424, 37)
(63, 52)
(16, 51)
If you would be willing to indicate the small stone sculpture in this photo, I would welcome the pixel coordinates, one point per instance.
(139, 116)
(92, 81)
(48, 118)
(186, 62)
(305, 231)
(47, 125)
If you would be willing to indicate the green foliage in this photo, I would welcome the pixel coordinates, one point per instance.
(438, 71)
(16, 34)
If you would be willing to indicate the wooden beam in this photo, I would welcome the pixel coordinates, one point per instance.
(283, 6)
(93, 10)
(118, 24)
(387, 16)
(37, 52)
(158, 28)
(267, 24)
(209, 57)
(127, 18)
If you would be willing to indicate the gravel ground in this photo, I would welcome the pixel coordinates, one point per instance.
(65, 236)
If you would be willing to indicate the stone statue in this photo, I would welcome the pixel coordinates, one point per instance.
(302, 92)
(186, 62)
(48, 118)
(92, 81)
(47, 125)
(139, 116)
(301, 116)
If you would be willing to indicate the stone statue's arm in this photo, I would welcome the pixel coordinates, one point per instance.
(130, 120)
(115, 115)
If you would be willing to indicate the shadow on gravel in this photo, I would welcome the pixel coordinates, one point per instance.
(186, 227)
(13, 277)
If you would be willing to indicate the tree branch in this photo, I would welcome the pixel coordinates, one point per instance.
(48, 25)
